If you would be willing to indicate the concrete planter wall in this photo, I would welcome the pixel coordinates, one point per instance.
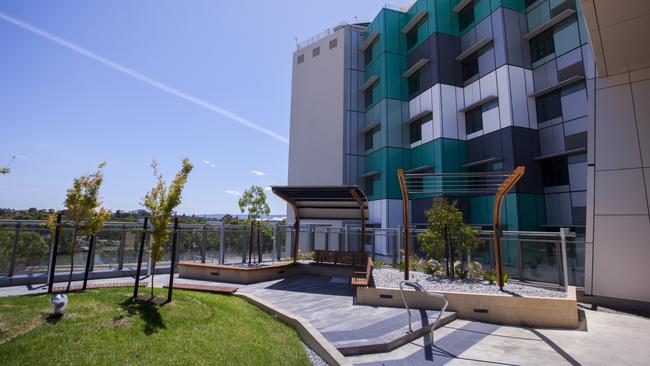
(509, 310)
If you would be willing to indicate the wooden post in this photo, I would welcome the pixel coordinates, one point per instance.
(172, 266)
(503, 189)
(405, 207)
(296, 225)
(55, 249)
(143, 239)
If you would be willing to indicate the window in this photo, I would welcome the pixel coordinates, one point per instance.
(548, 106)
(474, 120)
(301, 58)
(369, 184)
(542, 45)
(315, 52)
(333, 43)
(555, 172)
(470, 66)
(530, 2)
(415, 128)
(466, 17)
(370, 137)
(368, 95)
(414, 83)
(367, 55)
(412, 37)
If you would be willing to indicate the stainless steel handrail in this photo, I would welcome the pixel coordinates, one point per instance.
(419, 287)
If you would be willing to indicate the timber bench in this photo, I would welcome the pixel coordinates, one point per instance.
(362, 279)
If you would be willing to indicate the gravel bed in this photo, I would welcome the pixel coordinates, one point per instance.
(313, 357)
(390, 278)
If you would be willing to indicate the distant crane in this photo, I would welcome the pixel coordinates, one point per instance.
(6, 169)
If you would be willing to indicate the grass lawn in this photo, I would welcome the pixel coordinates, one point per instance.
(104, 327)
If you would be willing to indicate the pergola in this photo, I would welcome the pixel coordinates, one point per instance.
(497, 183)
(324, 203)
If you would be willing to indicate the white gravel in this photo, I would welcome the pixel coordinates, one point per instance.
(314, 358)
(390, 278)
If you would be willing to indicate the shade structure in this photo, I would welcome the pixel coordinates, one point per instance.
(345, 202)
(497, 183)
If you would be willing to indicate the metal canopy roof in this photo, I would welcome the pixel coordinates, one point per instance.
(325, 202)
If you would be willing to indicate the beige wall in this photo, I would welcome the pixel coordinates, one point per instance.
(317, 114)
(618, 209)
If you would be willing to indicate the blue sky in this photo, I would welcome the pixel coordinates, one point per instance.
(63, 112)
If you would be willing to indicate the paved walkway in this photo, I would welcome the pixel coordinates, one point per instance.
(610, 339)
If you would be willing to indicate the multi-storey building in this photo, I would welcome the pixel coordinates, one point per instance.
(449, 86)
(487, 85)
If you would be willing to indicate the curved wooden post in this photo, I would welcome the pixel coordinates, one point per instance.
(362, 208)
(296, 225)
(405, 207)
(503, 189)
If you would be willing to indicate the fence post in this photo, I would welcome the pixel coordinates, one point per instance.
(275, 255)
(327, 238)
(346, 239)
(520, 259)
(311, 235)
(222, 244)
(398, 245)
(55, 249)
(121, 250)
(172, 265)
(143, 239)
(563, 232)
(204, 243)
(374, 244)
(89, 261)
(12, 266)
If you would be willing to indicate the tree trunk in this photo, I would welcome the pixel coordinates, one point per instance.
(447, 251)
(153, 273)
(72, 250)
(250, 244)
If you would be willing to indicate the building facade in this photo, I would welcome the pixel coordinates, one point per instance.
(561, 87)
(451, 86)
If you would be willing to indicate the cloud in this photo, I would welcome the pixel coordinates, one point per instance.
(208, 163)
(268, 189)
(257, 172)
(20, 156)
(145, 79)
(231, 192)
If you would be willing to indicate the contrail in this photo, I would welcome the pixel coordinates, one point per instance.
(138, 76)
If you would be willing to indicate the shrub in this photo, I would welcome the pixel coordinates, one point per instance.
(378, 264)
(461, 273)
(401, 266)
(506, 277)
(305, 256)
(431, 267)
(490, 276)
(475, 270)
(415, 263)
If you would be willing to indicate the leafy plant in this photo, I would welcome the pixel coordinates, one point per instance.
(254, 202)
(445, 231)
(305, 255)
(82, 211)
(161, 202)
(475, 270)
(490, 276)
(378, 264)
(506, 277)
(461, 273)
(401, 266)
(431, 267)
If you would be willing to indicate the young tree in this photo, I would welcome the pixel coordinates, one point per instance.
(446, 227)
(83, 211)
(161, 202)
(253, 201)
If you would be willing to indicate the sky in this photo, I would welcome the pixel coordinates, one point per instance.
(126, 82)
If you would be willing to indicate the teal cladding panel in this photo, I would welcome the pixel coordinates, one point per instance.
(520, 211)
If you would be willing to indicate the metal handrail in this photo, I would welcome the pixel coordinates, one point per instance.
(419, 287)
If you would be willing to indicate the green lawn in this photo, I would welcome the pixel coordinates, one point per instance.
(103, 327)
